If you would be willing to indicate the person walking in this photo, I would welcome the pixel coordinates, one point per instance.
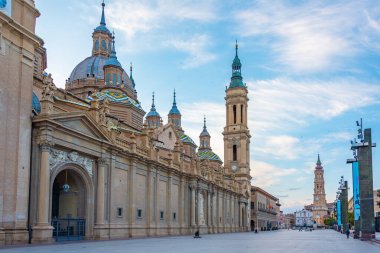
(348, 232)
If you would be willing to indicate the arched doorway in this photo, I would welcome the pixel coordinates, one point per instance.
(252, 225)
(69, 204)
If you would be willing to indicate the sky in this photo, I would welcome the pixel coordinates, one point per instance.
(311, 67)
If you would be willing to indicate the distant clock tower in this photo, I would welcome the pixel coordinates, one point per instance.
(319, 203)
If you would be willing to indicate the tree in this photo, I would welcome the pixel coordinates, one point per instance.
(329, 221)
(351, 218)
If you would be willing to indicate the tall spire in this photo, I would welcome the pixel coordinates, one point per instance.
(153, 106)
(131, 77)
(102, 27)
(112, 61)
(174, 109)
(103, 19)
(204, 132)
(236, 49)
(236, 79)
(319, 163)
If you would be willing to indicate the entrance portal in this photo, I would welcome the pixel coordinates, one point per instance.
(68, 206)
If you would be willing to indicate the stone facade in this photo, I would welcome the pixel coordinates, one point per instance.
(264, 210)
(304, 218)
(84, 153)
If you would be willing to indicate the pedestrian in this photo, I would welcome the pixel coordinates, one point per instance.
(348, 232)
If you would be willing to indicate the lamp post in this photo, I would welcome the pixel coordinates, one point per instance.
(344, 203)
(363, 156)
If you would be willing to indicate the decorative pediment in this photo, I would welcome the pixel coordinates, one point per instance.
(83, 124)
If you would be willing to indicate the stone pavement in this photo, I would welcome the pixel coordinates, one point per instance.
(275, 241)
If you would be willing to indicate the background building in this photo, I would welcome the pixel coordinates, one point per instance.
(304, 218)
(263, 210)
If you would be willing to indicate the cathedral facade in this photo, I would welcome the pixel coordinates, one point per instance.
(88, 162)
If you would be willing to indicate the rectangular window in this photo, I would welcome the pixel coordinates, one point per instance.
(174, 216)
(161, 215)
(119, 212)
(114, 80)
(139, 213)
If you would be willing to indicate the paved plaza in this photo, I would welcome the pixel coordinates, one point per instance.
(276, 241)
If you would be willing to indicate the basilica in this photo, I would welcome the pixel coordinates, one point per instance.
(89, 162)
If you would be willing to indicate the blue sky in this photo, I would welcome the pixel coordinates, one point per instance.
(311, 67)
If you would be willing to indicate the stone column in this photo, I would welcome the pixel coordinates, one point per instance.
(147, 198)
(217, 211)
(42, 231)
(156, 180)
(209, 211)
(193, 210)
(131, 202)
(100, 192)
(181, 208)
(169, 204)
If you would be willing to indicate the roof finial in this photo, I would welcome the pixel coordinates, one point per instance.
(319, 161)
(236, 48)
(174, 101)
(153, 106)
(204, 121)
(103, 19)
(130, 70)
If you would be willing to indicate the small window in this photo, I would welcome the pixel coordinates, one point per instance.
(103, 44)
(174, 216)
(139, 213)
(97, 45)
(161, 215)
(170, 135)
(119, 212)
(241, 109)
(234, 112)
(234, 153)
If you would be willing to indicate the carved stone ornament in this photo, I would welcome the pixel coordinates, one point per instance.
(60, 157)
(48, 88)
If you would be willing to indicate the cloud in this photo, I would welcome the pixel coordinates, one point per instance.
(294, 189)
(195, 47)
(311, 36)
(265, 174)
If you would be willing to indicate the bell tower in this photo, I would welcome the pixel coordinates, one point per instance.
(319, 202)
(236, 133)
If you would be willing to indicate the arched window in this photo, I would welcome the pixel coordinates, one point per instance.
(109, 46)
(170, 135)
(97, 45)
(234, 112)
(241, 109)
(114, 79)
(234, 153)
(104, 44)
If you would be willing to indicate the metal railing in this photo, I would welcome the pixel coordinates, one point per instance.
(69, 229)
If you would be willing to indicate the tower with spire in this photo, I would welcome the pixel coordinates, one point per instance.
(236, 133)
(174, 115)
(204, 137)
(153, 118)
(102, 37)
(319, 197)
(113, 70)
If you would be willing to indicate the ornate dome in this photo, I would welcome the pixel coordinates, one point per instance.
(93, 67)
(116, 96)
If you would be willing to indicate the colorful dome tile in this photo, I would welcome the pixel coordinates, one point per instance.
(208, 155)
(116, 97)
(185, 138)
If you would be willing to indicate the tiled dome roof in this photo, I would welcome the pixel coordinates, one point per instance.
(208, 155)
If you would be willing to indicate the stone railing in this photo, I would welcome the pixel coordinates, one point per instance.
(142, 151)
(123, 143)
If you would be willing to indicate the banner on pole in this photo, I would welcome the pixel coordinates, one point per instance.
(356, 190)
(339, 213)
